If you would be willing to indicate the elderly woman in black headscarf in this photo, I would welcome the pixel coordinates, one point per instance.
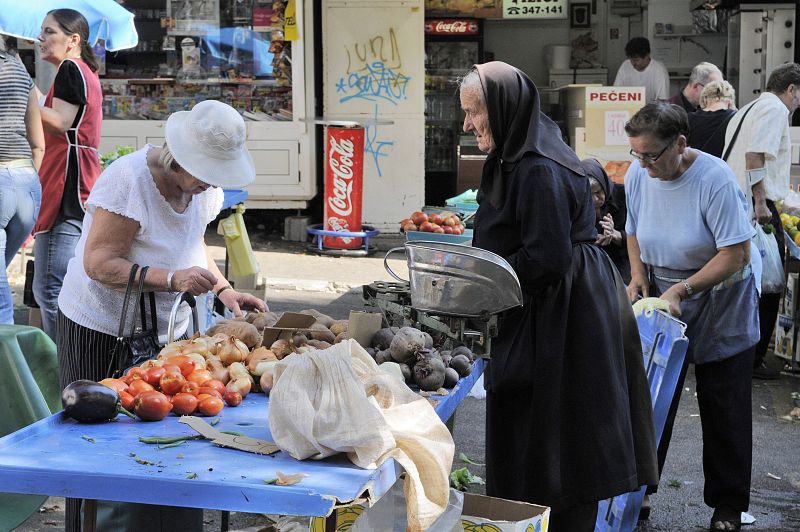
(610, 215)
(568, 413)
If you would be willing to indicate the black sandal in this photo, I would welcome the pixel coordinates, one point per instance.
(725, 519)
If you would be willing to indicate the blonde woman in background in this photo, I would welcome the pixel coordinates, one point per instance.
(707, 125)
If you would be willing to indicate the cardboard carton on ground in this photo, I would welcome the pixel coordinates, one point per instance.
(785, 337)
(289, 324)
(791, 294)
(487, 513)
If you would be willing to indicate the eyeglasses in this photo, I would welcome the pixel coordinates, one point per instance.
(647, 158)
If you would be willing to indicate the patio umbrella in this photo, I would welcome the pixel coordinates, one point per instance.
(107, 20)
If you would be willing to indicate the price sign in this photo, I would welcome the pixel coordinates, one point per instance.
(614, 127)
(536, 9)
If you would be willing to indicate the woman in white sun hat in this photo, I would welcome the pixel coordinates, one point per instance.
(152, 208)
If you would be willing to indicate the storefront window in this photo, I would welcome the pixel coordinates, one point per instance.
(194, 50)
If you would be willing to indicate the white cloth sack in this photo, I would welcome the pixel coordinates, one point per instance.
(337, 400)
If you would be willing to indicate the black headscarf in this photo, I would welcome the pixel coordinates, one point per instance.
(593, 168)
(518, 127)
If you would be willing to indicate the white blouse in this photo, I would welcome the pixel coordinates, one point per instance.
(164, 239)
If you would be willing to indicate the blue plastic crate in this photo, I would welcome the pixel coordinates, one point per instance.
(440, 237)
(664, 347)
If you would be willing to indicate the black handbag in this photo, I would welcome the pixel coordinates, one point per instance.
(140, 344)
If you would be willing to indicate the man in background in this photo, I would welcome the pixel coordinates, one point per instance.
(702, 74)
(760, 157)
(639, 70)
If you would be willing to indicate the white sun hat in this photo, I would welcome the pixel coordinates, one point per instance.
(209, 143)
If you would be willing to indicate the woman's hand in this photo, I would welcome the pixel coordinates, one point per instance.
(673, 297)
(195, 280)
(236, 301)
(638, 285)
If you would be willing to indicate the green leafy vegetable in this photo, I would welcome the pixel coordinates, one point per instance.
(108, 158)
(461, 478)
(464, 458)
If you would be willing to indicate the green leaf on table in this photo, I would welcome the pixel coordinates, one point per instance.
(466, 459)
(461, 479)
(89, 439)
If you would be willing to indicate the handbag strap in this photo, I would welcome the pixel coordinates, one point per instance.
(131, 279)
(139, 294)
(736, 133)
(153, 321)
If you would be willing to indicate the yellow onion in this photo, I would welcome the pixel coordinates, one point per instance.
(266, 380)
(233, 350)
(241, 385)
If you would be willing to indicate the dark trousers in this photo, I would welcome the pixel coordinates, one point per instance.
(769, 303)
(575, 519)
(724, 398)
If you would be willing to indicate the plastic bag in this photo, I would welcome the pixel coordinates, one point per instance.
(772, 275)
(791, 203)
(389, 513)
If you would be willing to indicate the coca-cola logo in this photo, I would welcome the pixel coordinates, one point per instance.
(450, 26)
(457, 26)
(340, 161)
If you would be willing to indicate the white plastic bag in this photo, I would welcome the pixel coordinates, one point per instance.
(389, 513)
(772, 276)
(338, 400)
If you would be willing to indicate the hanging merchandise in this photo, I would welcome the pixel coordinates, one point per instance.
(290, 30)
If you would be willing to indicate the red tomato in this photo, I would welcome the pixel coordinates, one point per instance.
(436, 219)
(152, 406)
(449, 221)
(426, 227)
(172, 382)
(448, 230)
(185, 363)
(213, 383)
(153, 375)
(137, 373)
(171, 367)
(190, 387)
(184, 404)
(210, 406)
(138, 386)
(418, 217)
(232, 398)
(438, 229)
(199, 376)
(126, 400)
(209, 391)
(114, 384)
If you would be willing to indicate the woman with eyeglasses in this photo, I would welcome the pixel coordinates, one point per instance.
(689, 243)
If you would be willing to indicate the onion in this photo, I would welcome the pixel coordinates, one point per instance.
(218, 370)
(266, 380)
(237, 370)
(147, 364)
(169, 350)
(231, 351)
(264, 365)
(281, 348)
(198, 359)
(259, 354)
(241, 385)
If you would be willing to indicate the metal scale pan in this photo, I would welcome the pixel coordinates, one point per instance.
(457, 280)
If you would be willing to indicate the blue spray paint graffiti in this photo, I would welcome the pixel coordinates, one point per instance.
(373, 146)
(374, 82)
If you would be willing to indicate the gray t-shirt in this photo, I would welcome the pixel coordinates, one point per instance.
(681, 224)
(15, 86)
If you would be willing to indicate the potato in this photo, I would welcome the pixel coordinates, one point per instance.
(325, 336)
(246, 332)
(326, 320)
(339, 327)
(318, 344)
(341, 336)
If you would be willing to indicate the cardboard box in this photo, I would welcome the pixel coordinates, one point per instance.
(286, 327)
(791, 294)
(487, 513)
(785, 337)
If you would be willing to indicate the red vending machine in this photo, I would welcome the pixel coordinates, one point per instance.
(452, 45)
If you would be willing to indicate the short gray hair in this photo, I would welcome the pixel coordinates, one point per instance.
(717, 91)
(702, 72)
(471, 81)
(166, 160)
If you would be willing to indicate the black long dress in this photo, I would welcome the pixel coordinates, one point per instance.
(568, 411)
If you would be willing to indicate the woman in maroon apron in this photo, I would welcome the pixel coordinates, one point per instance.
(72, 116)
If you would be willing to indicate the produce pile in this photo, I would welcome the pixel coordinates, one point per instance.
(419, 361)
(203, 374)
(445, 222)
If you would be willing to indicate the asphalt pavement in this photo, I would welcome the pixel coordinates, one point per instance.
(298, 280)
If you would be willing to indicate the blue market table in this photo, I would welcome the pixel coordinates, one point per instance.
(58, 457)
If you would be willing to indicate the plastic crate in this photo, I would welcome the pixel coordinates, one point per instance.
(440, 237)
(664, 347)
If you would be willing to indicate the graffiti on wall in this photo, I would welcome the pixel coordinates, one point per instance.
(374, 73)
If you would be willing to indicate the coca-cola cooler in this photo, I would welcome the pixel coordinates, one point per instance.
(452, 45)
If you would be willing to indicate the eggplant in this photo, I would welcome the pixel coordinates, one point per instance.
(89, 402)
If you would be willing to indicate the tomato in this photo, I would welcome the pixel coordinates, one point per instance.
(126, 400)
(171, 367)
(436, 219)
(203, 396)
(418, 217)
(172, 382)
(152, 406)
(210, 406)
(137, 373)
(232, 398)
(114, 384)
(438, 229)
(190, 387)
(127, 379)
(185, 363)
(138, 386)
(184, 404)
(199, 376)
(449, 221)
(213, 383)
(426, 227)
(209, 391)
(153, 375)
(448, 230)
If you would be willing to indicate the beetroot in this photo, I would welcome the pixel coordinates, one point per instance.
(382, 339)
(450, 378)
(406, 344)
(461, 364)
(429, 373)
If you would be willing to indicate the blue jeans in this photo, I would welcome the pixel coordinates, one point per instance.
(53, 251)
(20, 198)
